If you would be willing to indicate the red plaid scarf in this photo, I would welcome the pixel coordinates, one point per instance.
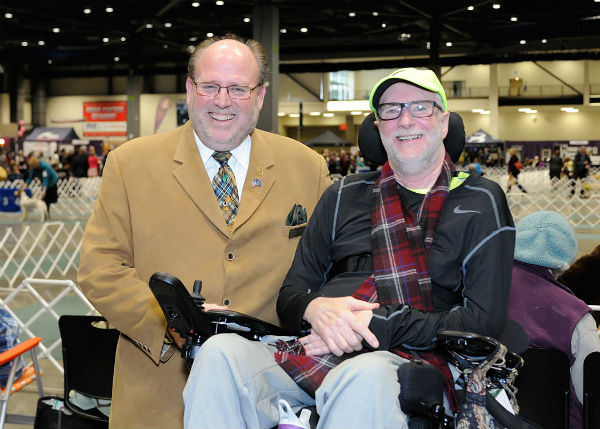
(401, 275)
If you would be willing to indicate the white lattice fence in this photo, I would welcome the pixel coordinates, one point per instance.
(41, 250)
(56, 292)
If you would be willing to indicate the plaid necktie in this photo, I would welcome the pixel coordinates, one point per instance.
(226, 188)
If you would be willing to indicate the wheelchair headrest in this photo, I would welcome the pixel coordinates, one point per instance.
(370, 144)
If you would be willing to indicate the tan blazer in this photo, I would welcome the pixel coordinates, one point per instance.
(156, 211)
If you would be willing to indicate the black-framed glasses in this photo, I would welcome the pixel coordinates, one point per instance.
(417, 109)
(212, 89)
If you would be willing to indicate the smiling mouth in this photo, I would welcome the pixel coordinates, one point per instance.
(221, 116)
(409, 138)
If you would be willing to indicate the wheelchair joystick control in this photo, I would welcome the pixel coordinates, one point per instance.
(196, 296)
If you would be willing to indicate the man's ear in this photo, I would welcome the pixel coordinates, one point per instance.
(445, 119)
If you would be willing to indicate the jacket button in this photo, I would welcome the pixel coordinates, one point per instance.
(226, 302)
(230, 256)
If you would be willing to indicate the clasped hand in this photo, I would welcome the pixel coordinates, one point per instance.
(338, 325)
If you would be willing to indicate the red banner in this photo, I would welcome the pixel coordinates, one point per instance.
(96, 111)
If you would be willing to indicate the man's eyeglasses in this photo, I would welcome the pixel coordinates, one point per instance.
(417, 109)
(211, 89)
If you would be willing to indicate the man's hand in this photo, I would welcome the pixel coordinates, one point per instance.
(209, 307)
(341, 323)
(177, 339)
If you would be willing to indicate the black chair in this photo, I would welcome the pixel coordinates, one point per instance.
(591, 391)
(88, 360)
(544, 387)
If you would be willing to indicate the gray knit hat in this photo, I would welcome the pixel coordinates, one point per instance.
(546, 238)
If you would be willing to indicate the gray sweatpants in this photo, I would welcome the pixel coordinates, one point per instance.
(236, 383)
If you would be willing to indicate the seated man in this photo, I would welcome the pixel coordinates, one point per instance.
(387, 261)
(550, 313)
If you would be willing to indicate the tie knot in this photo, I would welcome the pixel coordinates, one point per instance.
(222, 157)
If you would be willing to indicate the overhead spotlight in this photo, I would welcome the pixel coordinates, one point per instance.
(49, 61)
(109, 9)
(149, 25)
(448, 44)
(247, 19)
(352, 14)
(168, 24)
(117, 59)
(219, 2)
(522, 42)
(56, 30)
(165, 46)
(383, 25)
(328, 115)
(123, 38)
(375, 13)
(210, 34)
(193, 39)
(304, 30)
(471, 8)
(546, 41)
(105, 39)
(404, 37)
(195, 4)
(8, 15)
(514, 19)
(24, 43)
(283, 31)
(87, 10)
(496, 6)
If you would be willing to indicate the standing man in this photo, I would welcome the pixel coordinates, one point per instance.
(388, 260)
(581, 168)
(49, 178)
(207, 201)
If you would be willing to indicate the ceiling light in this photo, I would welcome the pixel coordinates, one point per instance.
(375, 13)
(348, 105)
(247, 19)
(514, 18)
(219, 2)
(352, 14)
(41, 42)
(304, 30)
(471, 8)
(105, 39)
(8, 15)
(280, 114)
(522, 42)
(49, 61)
(123, 38)
(195, 4)
(328, 115)
(496, 6)
(117, 59)
(149, 25)
(356, 112)
(165, 46)
(383, 25)
(168, 24)
(546, 41)
(24, 43)
(448, 44)
(109, 9)
(569, 109)
(294, 115)
(190, 48)
(193, 39)
(283, 31)
(56, 30)
(210, 34)
(315, 113)
(404, 37)
(87, 10)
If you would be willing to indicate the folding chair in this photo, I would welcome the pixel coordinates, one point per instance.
(544, 387)
(88, 360)
(30, 372)
(591, 391)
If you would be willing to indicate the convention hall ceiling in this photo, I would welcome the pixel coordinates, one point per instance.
(101, 37)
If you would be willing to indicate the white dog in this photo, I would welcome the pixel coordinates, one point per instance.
(31, 205)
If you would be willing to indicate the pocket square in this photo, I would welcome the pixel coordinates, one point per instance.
(296, 216)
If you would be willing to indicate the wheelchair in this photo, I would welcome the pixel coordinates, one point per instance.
(421, 397)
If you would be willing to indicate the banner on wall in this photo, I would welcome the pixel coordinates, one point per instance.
(105, 118)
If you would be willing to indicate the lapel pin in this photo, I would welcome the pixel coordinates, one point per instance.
(256, 182)
(259, 171)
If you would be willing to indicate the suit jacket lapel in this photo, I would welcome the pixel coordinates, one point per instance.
(259, 173)
(191, 175)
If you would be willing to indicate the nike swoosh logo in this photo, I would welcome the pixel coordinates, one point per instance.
(458, 210)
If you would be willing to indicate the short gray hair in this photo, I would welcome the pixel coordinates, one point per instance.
(255, 47)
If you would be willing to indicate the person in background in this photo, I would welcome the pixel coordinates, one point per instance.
(93, 163)
(47, 176)
(388, 260)
(556, 164)
(79, 162)
(583, 277)
(211, 201)
(514, 169)
(550, 313)
(581, 168)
